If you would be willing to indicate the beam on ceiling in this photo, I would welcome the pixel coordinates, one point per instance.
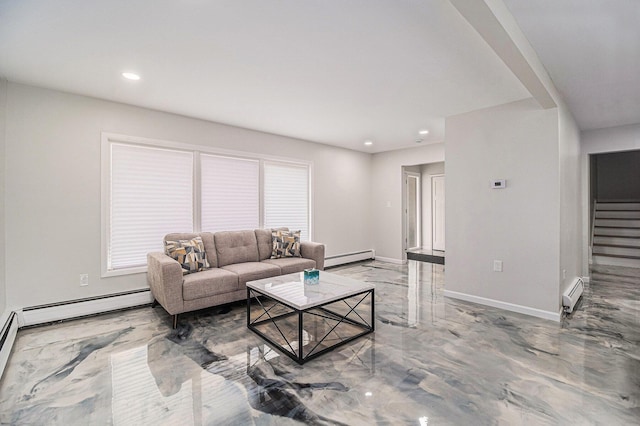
(495, 24)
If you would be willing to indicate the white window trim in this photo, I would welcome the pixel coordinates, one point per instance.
(108, 138)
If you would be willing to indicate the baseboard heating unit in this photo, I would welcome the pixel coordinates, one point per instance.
(7, 337)
(572, 294)
(342, 259)
(79, 308)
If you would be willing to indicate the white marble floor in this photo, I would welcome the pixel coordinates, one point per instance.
(431, 361)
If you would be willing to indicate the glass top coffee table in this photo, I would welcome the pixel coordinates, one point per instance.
(306, 320)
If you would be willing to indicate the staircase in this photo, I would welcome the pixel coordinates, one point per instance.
(616, 234)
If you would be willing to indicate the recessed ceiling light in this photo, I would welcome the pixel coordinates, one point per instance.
(130, 76)
(368, 143)
(424, 132)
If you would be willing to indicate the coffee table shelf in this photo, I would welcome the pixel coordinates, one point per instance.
(305, 321)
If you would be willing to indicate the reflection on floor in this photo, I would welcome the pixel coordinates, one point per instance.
(323, 328)
(426, 255)
(431, 361)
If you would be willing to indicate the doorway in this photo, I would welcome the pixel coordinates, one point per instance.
(420, 247)
(614, 209)
(412, 210)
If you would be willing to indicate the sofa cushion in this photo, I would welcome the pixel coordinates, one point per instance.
(209, 283)
(236, 247)
(210, 248)
(180, 236)
(263, 236)
(289, 265)
(190, 254)
(207, 239)
(285, 244)
(250, 271)
(265, 245)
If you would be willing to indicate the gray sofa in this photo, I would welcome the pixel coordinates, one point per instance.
(235, 257)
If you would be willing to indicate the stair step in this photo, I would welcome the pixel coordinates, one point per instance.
(600, 277)
(632, 252)
(617, 232)
(616, 241)
(618, 223)
(616, 261)
(629, 246)
(617, 272)
(617, 214)
(617, 206)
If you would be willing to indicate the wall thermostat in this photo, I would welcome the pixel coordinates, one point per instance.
(498, 184)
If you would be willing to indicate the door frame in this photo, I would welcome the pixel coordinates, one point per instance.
(405, 209)
(433, 216)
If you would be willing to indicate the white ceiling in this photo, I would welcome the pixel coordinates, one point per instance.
(591, 49)
(336, 72)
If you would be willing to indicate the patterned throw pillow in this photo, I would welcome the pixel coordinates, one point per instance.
(285, 244)
(190, 254)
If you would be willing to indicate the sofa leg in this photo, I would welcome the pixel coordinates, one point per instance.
(154, 303)
(175, 321)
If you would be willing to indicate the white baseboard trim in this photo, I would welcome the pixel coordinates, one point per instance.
(79, 308)
(9, 323)
(549, 315)
(391, 260)
(586, 280)
(341, 259)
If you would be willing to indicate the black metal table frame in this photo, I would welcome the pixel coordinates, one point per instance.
(364, 325)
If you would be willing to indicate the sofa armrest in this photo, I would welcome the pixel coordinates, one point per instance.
(164, 276)
(314, 251)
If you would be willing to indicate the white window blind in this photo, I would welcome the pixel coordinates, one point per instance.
(151, 195)
(286, 197)
(230, 193)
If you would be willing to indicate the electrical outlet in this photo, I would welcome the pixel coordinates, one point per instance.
(564, 274)
(84, 279)
(497, 265)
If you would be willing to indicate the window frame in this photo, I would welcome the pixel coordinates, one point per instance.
(105, 221)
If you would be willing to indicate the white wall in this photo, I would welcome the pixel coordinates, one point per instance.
(428, 170)
(613, 139)
(535, 77)
(570, 199)
(3, 159)
(386, 197)
(519, 224)
(53, 187)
